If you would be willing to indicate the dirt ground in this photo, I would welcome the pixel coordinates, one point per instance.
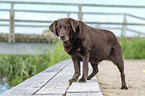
(109, 78)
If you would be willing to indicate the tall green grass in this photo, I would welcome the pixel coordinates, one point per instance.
(17, 68)
(133, 48)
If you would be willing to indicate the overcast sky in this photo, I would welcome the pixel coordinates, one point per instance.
(100, 18)
(120, 2)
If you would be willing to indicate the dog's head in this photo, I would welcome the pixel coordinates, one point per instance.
(65, 28)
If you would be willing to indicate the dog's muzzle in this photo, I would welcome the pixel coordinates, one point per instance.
(63, 38)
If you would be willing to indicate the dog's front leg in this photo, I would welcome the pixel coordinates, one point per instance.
(76, 64)
(85, 69)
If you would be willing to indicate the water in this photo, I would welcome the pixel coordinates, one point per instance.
(23, 48)
(4, 86)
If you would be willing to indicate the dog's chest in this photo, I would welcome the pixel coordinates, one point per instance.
(72, 50)
(76, 54)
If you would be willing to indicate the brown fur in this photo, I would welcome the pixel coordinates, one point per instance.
(87, 44)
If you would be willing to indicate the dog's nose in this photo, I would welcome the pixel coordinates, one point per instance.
(62, 36)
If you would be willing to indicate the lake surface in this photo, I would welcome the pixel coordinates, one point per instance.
(23, 48)
(4, 87)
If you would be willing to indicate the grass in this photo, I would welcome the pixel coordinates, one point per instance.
(17, 68)
(133, 48)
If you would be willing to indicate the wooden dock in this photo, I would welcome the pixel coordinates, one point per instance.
(54, 82)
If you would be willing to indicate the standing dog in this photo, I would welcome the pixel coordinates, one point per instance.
(87, 44)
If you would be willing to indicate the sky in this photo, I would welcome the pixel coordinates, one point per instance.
(97, 18)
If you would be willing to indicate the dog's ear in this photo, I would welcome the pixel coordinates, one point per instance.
(74, 24)
(52, 28)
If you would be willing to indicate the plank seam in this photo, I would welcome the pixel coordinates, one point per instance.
(50, 79)
(67, 89)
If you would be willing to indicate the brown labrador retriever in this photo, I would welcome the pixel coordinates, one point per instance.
(87, 44)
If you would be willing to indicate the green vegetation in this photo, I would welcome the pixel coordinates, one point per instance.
(133, 48)
(17, 68)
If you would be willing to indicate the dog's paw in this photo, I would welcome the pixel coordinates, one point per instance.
(82, 80)
(124, 87)
(72, 80)
(89, 78)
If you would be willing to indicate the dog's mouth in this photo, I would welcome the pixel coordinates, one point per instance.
(64, 39)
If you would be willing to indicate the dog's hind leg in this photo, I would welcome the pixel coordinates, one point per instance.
(118, 60)
(94, 72)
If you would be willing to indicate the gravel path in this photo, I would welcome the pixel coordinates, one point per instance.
(109, 78)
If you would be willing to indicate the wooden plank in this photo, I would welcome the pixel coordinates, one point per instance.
(54, 82)
(116, 23)
(32, 85)
(40, 11)
(59, 84)
(90, 88)
(137, 17)
(84, 89)
(124, 25)
(4, 20)
(102, 13)
(132, 30)
(53, 89)
(80, 15)
(47, 95)
(84, 94)
(11, 34)
(5, 10)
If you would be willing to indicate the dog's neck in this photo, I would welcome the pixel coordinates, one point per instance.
(71, 47)
(67, 44)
